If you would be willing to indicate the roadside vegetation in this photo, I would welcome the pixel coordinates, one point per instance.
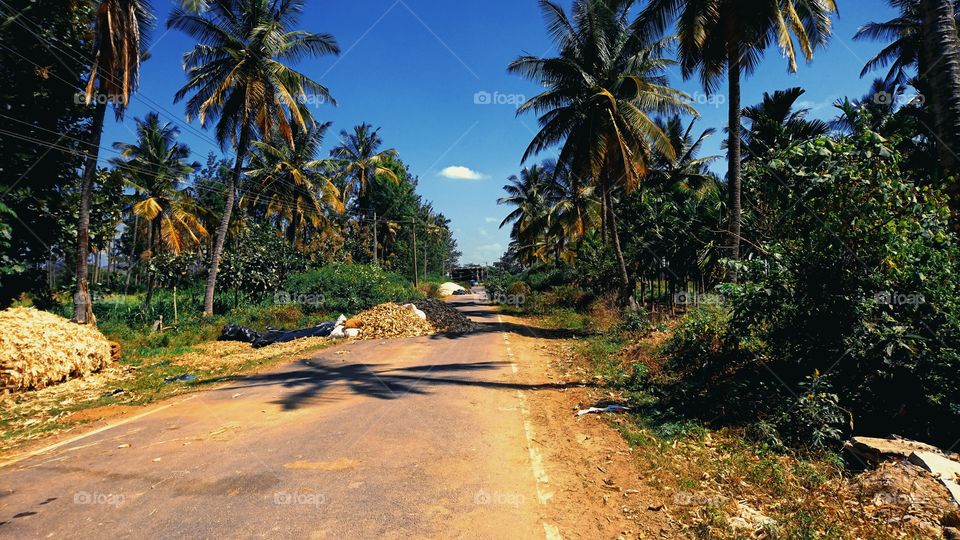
(752, 322)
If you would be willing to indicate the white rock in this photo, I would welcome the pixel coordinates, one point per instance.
(352, 332)
(338, 332)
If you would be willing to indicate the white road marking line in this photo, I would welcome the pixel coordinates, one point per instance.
(551, 532)
(82, 436)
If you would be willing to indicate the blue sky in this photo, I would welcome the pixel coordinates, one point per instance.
(432, 75)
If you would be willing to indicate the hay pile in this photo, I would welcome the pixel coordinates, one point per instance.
(391, 321)
(444, 317)
(38, 349)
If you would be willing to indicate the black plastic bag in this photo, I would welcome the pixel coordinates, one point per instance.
(235, 332)
(282, 336)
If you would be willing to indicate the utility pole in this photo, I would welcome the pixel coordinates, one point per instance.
(416, 278)
(375, 261)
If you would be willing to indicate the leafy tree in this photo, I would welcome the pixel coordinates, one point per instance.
(237, 77)
(774, 124)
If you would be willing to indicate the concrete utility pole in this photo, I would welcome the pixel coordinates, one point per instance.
(375, 261)
(416, 278)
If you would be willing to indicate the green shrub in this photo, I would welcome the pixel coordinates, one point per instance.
(347, 288)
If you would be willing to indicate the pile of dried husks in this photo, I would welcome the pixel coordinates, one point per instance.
(391, 321)
(444, 317)
(38, 349)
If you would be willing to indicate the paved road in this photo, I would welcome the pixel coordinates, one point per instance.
(406, 438)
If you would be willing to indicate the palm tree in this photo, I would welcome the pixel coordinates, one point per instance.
(774, 124)
(574, 211)
(237, 76)
(940, 42)
(119, 37)
(156, 168)
(728, 37)
(684, 169)
(904, 35)
(289, 182)
(529, 195)
(600, 89)
(360, 159)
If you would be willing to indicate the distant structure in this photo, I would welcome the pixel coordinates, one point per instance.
(470, 272)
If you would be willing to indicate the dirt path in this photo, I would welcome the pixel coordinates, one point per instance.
(462, 437)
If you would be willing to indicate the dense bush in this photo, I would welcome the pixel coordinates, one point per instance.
(347, 288)
(855, 296)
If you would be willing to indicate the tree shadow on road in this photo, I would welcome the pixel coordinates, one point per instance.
(310, 381)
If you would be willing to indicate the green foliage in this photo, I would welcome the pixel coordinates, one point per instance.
(258, 261)
(857, 286)
(348, 288)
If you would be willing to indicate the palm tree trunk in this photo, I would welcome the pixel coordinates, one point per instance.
(82, 306)
(627, 298)
(734, 209)
(941, 43)
(217, 252)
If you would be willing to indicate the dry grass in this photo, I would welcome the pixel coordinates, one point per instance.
(219, 354)
(39, 349)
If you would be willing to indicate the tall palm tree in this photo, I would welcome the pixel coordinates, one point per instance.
(530, 197)
(360, 158)
(600, 89)
(904, 36)
(728, 37)
(775, 123)
(574, 211)
(238, 77)
(119, 39)
(289, 182)
(942, 45)
(156, 168)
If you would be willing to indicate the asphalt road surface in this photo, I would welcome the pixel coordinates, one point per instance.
(421, 437)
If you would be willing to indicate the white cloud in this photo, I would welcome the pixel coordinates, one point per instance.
(491, 220)
(459, 172)
(482, 232)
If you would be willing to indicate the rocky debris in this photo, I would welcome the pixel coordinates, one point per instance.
(444, 317)
(390, 321)
(874, 450)
(948, 471)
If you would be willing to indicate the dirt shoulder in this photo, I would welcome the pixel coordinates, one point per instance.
(598, 487)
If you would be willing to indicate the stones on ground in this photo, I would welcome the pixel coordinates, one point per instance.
(873, 450)
(749, 519)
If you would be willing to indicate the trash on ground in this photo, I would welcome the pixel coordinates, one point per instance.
(186, 377)
(39, 349)
(607, 409)
(272, 336)
(235, 332)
